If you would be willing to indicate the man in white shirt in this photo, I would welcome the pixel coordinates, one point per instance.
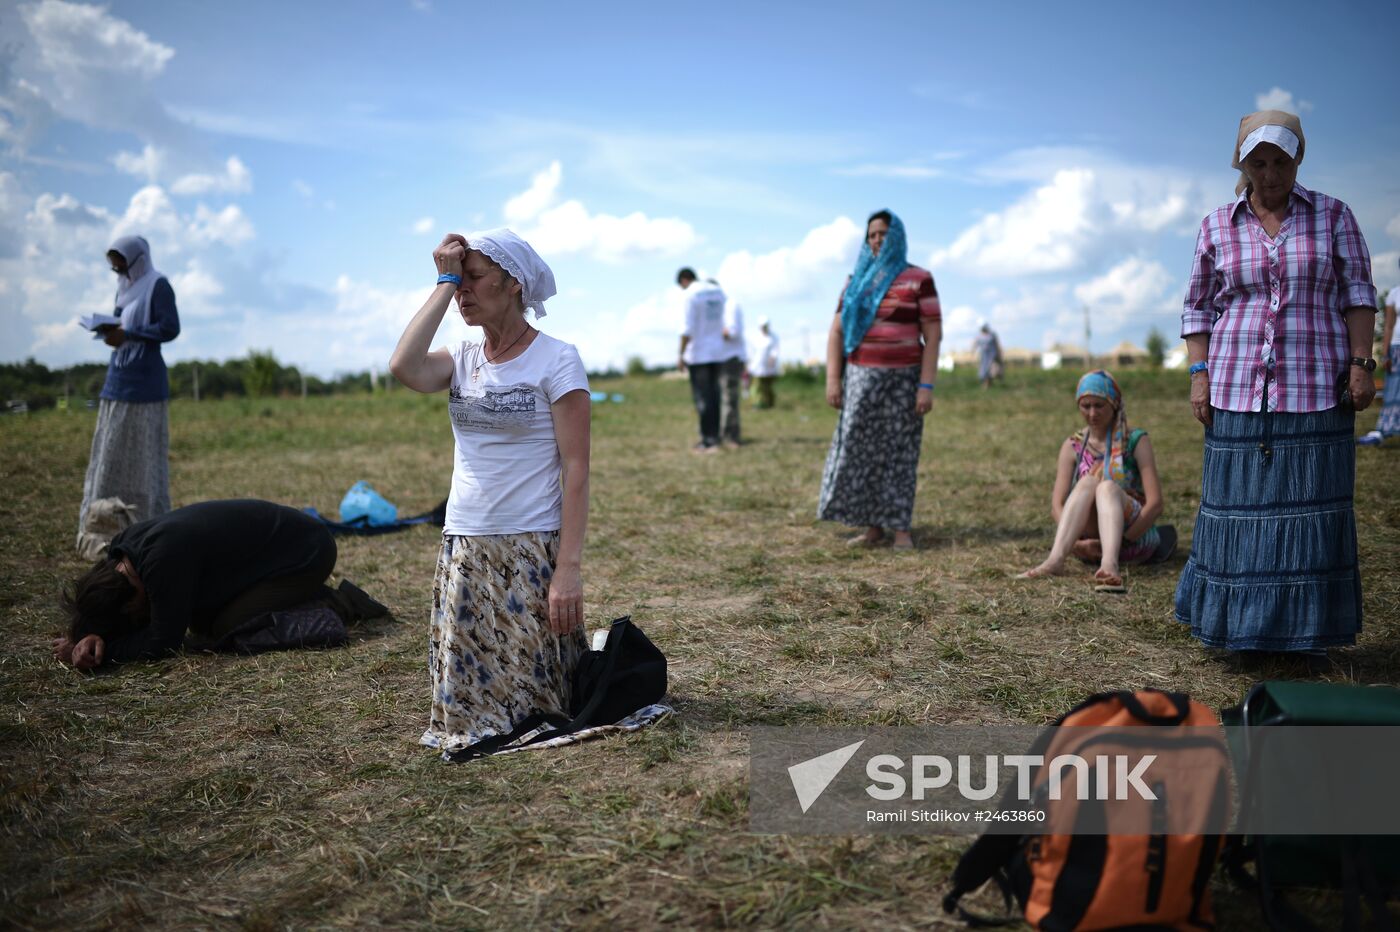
(764, 365)
(702, 353)
(731, 386)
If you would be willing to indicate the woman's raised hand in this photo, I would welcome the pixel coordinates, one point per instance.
(451, 255)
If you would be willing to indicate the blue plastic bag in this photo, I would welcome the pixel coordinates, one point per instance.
(363, 504)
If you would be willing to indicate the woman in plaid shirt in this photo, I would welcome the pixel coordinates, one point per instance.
(1277, 323)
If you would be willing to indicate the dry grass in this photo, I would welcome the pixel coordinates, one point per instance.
(288, 790)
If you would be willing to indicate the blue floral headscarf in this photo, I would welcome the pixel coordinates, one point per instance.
(869, 282)
(1101, 384)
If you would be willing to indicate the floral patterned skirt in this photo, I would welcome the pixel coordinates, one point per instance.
(872, 466)
(492, 659)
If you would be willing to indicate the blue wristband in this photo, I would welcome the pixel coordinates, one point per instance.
(449, 277)
(1197, 367)
(926, 385)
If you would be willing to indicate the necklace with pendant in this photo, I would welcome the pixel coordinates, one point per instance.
(476, 374)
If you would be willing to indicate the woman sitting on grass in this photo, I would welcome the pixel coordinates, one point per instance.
(1105, 514)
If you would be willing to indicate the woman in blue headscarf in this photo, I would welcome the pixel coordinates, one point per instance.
(882, 353)
(131, 445)
(1107, 494)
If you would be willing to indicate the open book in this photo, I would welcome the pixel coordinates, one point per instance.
(99, 323)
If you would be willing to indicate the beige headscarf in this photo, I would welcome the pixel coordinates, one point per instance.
(1253, 121)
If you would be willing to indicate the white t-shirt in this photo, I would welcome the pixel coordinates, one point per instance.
(1393, 299)
(505, 473)
(734, 323)
(704, 324)
(765, 360)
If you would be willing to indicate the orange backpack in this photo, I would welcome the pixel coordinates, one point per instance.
(1092, 877)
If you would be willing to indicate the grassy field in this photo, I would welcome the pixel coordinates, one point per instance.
(288, 790)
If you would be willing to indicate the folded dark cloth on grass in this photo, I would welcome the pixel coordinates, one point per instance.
(362, 527)
(320, 622)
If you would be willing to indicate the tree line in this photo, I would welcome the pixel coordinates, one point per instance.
(258, 375)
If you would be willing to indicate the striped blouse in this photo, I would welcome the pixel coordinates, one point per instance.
(894, 340)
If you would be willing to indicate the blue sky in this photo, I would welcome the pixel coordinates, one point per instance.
(293, 165)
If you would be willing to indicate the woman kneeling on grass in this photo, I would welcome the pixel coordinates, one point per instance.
(507, 615)
(242, 575)
(1105, 513)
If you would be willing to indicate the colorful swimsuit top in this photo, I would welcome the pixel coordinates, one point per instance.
(1126, 475)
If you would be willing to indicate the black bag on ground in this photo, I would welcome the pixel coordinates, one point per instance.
(314, 624)
(1360, 866)
(628, 674)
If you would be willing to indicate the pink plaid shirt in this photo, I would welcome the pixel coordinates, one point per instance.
(1273, 307)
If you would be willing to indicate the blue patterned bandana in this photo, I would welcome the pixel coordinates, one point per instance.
(869, 282)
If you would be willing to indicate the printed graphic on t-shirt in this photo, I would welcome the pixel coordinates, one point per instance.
(504, 408)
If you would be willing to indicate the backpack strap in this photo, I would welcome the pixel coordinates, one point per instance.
(985, 860)
(1180, 702)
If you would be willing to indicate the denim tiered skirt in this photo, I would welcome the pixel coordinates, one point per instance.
(1273, 557)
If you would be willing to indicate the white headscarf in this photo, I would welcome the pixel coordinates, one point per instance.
(521, 263)
(135, 287)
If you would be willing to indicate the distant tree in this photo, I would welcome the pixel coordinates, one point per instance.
(636, 365)
(261, 374)
(1156, 347)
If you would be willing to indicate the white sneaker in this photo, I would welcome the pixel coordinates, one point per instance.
(1373, 439)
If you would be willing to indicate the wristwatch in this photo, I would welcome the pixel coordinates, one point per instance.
(1369, 363)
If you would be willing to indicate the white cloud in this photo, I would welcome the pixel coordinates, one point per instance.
(424, 225)
(793, 271)
(74, 36)
(1135, 287)
(960, 325)
(84, 64)
(901, 172)
(302, 188)
(1083, 211)
(650, 328)
(148, 163)
(529, 204)
(196, 289)
(229, 226)
(1276, 98)
(1393, 227)
(235, 179)
(1043, 232)
(569, 227)
(151, 214)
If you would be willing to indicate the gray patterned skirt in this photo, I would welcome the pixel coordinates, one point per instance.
(492, 659)
(872, 466)
(130, 458)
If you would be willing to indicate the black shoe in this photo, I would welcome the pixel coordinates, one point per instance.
(353, 604)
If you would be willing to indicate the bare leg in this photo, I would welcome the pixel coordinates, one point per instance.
(1073, 520)
(1110, 500)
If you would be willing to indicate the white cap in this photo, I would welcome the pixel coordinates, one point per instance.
(1280, 136)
